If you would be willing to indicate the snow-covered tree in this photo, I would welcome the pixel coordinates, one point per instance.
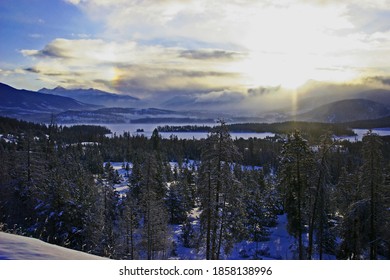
(362, 224)
(319, 208)
(295, 174)
(130, 223)
(372, 184)
(155, 219)
(220, 194)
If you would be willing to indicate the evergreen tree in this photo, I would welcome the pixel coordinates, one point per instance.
(188, 235)
(110, 198)
(320, 206)
(385, 213)
(131, 221)
(372, 184)
(220, 194)
(256, 209)
(155, 230)
(362, 223)
(176, 203)
(295, 175)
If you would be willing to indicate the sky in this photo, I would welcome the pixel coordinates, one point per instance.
(204, 50)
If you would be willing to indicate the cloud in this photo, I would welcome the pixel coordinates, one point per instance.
(72, 49)
(131, 67)
(286, 42)
(210, 54)
(74, 2)
(32, 70)
(220, 97)
(263, 91)
(240, 52)
(378, 81)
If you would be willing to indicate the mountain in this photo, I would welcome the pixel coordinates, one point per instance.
(94, 96)
(31, 105)
(346, 111)
(30, 100)
(307, 100)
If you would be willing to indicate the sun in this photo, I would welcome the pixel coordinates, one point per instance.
(267, 69)
(113, 74)
(287, 47)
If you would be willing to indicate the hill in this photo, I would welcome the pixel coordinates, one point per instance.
(346, 111)
(128, 115)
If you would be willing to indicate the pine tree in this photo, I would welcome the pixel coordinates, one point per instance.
(372, 183)
(131, 221)
(295, 175)
(109, 198)
(361, 224)
(319, 208)
(221, 198)
(188, 235)
(136, 178)
(385, 213)
(256, 208)
(176, 203)
(155, 218)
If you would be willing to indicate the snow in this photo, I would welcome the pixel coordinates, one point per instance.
(9, 138)
(278, 247)
(16, 247)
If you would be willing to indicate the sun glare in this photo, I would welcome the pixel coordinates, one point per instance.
(268, 69)
(113, 75)
(288, 47)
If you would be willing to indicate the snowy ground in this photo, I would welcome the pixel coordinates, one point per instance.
(16, 247)
(279, 247)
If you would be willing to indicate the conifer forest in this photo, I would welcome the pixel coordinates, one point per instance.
(130, 197)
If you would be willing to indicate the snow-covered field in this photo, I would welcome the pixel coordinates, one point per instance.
(16, 247)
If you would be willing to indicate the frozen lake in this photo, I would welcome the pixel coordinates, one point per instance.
(361, 132)
(148, 129)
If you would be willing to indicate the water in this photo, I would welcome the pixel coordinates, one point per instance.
(361, 132)
(119, 129)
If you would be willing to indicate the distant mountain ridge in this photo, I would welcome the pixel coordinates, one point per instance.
(105, 107)
(128, 115)
(94, 96)
(21, 103)
(20, 98)
(348, 110)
